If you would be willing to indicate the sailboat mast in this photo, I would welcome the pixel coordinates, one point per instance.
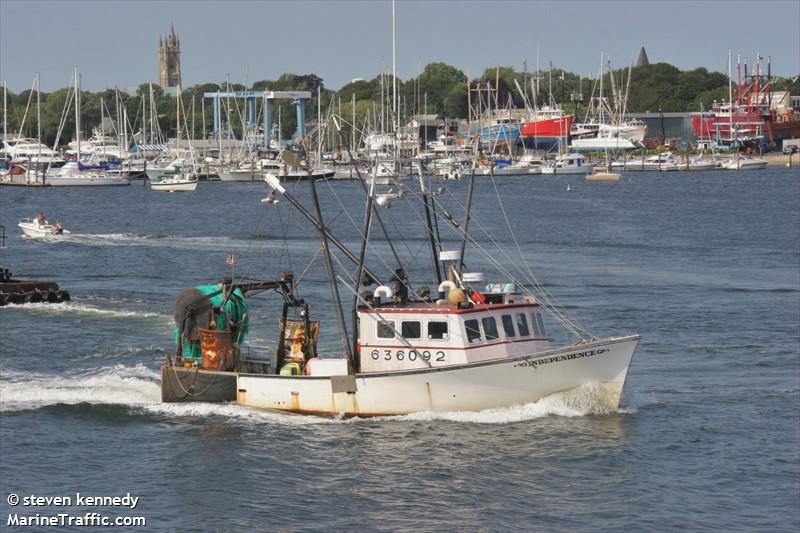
(5, 110)
(78, 113)
(730, 98)
(394, 72)
(39, 116)
(178, 119)
(102, 128)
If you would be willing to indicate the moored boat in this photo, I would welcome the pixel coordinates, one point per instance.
(571, 163)
(180, 180)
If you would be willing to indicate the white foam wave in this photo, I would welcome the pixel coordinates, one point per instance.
(138, 387)
(588, 399)
(171, 241)
(73, 307)
(117, 385)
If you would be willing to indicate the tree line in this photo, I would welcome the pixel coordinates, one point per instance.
(440, 89)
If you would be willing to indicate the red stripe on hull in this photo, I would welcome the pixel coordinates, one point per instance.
(547, 127)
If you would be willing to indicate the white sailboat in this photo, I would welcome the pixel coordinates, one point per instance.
(75, 173)
(179, 178)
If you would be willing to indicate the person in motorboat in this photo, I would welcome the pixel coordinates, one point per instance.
(41, 220)
(58, 229)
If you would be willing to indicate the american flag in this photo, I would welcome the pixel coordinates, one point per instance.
(230, 260)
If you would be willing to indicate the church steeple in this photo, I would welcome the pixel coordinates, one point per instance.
(169, 51)
(642, 61)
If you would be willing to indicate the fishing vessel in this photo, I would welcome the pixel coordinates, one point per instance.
(754, 115)
(545, 128)
(466, 345)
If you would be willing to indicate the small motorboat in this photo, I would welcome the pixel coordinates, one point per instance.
(744, 163)
(32, 228)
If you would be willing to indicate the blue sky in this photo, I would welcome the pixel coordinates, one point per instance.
(115, 42)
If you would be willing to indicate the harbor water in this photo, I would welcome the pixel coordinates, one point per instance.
(704, 265)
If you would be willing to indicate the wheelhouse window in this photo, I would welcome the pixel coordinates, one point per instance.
(508, 326)
(437, 330)
(490, 328)
(473, 330)
(522, 325)
(411, 329)
(538, 325)
(385, 329)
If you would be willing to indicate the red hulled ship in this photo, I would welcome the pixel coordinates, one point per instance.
(756, 115)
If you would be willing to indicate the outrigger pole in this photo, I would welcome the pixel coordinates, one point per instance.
(431, 236)
(466, 220)
(275, 184)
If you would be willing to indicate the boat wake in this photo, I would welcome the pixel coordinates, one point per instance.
(137, 388)
(85, 309)
(119, 384)
(586, 400)
(167, 241)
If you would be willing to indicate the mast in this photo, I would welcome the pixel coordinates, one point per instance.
(331, 273)
(144, 123)
(466, 220)
(360, 271)
(102, 129)
(5, 111)
(78, 113)
(178, 119)
(394, 75)
(469, 98)
(431, 236)
(730, 97)
(39, 118)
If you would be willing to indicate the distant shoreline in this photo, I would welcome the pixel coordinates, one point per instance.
(779, 159)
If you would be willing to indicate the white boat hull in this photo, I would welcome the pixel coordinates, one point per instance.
(86, 180)
(549, 170)
(745, 164)
(602, 143)
(46, 232)
(174, 185)
(242, 175)
(477, 386)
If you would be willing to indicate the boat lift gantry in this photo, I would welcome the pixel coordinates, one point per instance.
(299, 99)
